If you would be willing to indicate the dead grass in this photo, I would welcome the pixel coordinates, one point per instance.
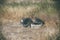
(15, 13)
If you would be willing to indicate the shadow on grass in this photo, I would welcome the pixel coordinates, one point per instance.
(2, 2)
(57, 6)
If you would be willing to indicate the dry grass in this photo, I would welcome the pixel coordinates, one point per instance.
(50, 29)
(13, 14)
(17, 13)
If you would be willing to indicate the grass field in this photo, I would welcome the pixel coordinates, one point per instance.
(12, 12)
